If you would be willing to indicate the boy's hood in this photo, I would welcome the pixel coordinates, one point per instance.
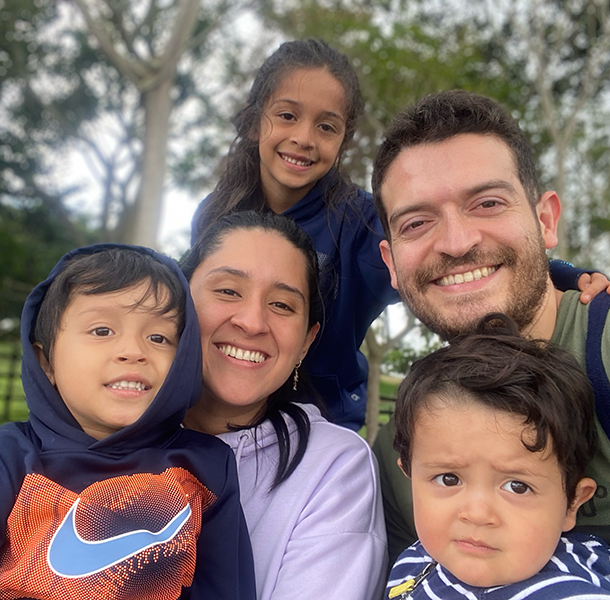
(52, 421)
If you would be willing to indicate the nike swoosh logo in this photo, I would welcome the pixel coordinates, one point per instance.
(69, 555)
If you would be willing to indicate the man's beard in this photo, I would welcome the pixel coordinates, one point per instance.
(524, 298)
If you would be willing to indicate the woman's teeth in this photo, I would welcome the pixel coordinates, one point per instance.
(128, 385)
(239, 354)
(294, 161)
(465, 277)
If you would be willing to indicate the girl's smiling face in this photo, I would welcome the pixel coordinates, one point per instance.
(301, 132)
(252, 300)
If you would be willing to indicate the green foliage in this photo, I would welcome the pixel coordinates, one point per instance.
(31, 241)
(400, 359)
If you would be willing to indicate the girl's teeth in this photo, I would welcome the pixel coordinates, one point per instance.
(239, 354)
(300, 163)
(465, 277)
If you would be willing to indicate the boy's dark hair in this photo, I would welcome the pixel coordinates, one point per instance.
(501, 370)
(284, 398)
(104, 272)
(239, 186)
(438, 117)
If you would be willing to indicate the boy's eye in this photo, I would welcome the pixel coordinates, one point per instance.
(447, 479)
(157, 338)
(102, 331)
(516, 487)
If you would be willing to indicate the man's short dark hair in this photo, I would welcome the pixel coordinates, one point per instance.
(438, 117)
(104, 272)
(501, 370)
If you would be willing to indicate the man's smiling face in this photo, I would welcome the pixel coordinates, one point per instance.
(464, 239)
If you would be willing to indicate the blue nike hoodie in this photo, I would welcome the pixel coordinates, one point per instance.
(150, 512)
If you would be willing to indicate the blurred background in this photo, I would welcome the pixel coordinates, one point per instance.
(115, 117)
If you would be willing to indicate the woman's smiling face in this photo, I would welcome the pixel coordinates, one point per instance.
(252, 300)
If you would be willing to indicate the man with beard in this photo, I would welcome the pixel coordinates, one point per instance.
(456, 190)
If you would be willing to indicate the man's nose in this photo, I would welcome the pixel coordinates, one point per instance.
(457, 235)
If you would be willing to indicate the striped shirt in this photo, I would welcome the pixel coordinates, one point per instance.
(578, 569)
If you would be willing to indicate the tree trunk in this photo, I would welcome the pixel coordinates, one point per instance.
(373, 396)
(147, 217)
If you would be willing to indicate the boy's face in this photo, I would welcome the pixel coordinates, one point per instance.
(486, 508)
(109, 359)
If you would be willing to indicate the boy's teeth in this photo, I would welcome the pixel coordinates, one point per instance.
(294, 161)
(128, 385)
(465, 277)
(247, 355)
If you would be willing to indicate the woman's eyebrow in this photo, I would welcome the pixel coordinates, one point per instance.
(280, 285)
(292, 290)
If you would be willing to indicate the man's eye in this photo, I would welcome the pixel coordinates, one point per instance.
(447, 480)
(102, 331)
(516, 487)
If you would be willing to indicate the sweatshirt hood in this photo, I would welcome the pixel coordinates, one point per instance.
(51, 420)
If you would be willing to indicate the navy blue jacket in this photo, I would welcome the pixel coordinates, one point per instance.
(140, 513)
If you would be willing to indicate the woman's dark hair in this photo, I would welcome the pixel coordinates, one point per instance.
(496, 367)
(104, 272)
(282, 400)
(239, 188)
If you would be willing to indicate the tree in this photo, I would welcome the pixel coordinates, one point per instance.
(568, 44)
(122, 84)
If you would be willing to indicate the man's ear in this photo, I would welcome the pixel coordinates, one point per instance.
(548, 210)
(399, 462)
(43, 362)
(388, 259)
(585, 489)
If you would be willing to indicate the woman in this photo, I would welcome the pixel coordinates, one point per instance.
(308, 488)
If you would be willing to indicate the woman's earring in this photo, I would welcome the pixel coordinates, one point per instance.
(295, 380)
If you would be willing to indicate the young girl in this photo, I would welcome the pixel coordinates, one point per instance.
(300, 116)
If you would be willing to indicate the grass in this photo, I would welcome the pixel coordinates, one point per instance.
(11, 388)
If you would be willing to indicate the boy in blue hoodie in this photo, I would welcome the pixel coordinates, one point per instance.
(495, 432)
(103, 495)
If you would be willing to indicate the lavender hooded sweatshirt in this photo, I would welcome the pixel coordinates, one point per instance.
(321, 533)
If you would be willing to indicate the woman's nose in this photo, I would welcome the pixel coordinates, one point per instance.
(251, 318)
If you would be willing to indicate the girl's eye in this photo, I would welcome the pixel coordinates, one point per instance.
(286, 116)
(447, 479)
(102, 331)
(157, 338)
(328, 128)
(516, 487)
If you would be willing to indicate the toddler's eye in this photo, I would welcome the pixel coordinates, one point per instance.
(447, 479)
(102, 331)
(516, 487)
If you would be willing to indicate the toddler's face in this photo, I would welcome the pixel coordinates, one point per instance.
(111, 355)
(486, 508)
